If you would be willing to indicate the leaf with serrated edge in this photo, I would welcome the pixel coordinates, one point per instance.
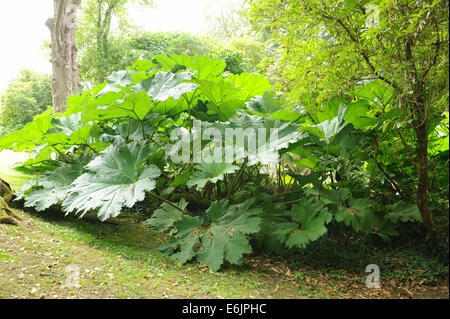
(115, 179)
(308, 219)
(210, 172)
(165, 216)
(225, 239)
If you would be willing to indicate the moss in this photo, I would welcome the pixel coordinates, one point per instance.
(7, 215)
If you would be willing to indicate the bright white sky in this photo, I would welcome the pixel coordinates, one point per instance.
(22, 29)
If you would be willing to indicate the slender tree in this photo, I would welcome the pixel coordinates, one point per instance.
(96, 28)
(332, 45)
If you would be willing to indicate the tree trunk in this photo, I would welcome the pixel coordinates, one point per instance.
(423, 185)
(64, 52)
(7, 215)
(421, 120)
(103, 30)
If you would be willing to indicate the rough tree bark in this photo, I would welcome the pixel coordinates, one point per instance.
(64, 52)
(7, 215)
(423, 185)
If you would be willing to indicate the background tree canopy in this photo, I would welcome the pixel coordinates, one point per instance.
(26, 96)
(331, 47)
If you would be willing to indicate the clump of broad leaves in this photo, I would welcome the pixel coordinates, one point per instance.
(112, 148)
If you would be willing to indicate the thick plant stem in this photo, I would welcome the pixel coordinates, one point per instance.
(168, 202)
(326, 161)
(230, 191)
(143, 130)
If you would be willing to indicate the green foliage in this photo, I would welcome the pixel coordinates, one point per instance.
(327, 48)
(115, 179)
(307, 223)
(256, 55)
(159, 43)
(102, 53)
(210, 172)
(403, 212)
(412, 265)
(128, 45)
(167, 85)
(26, 96)
(106, 46)
(166, 215)
(329, 129)
(393, 55)
(224, 239)
(52, 186)
(113, 148)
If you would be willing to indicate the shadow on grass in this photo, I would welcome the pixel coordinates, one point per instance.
(127, 236)
(124, 235)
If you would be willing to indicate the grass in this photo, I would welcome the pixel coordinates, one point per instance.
(120, 259)
(7, 161)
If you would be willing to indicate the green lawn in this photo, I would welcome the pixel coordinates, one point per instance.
(120, 259)
(7, 161)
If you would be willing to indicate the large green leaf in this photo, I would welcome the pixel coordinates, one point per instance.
(376, 92)
(271, 136)
(167, 85)
(165, 216)
(225, 238)
(358, 213)
(329, 110)
(308, 220)
(249, 85)
(266, 104)
(250, 137)
(403, 212)
(123, 104)
(120, 78)
(227, 95)
(357, 113)
(52, 187)
(30, 135)
(336, 196)
(224, 97)
(274, 106)
(184, 245)
(41, 153)
(115, 179)
(205, 67)
(132, 130)
(137, 101)
(210, 172)
(71, 131)
(66, 125)
(329, 129)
